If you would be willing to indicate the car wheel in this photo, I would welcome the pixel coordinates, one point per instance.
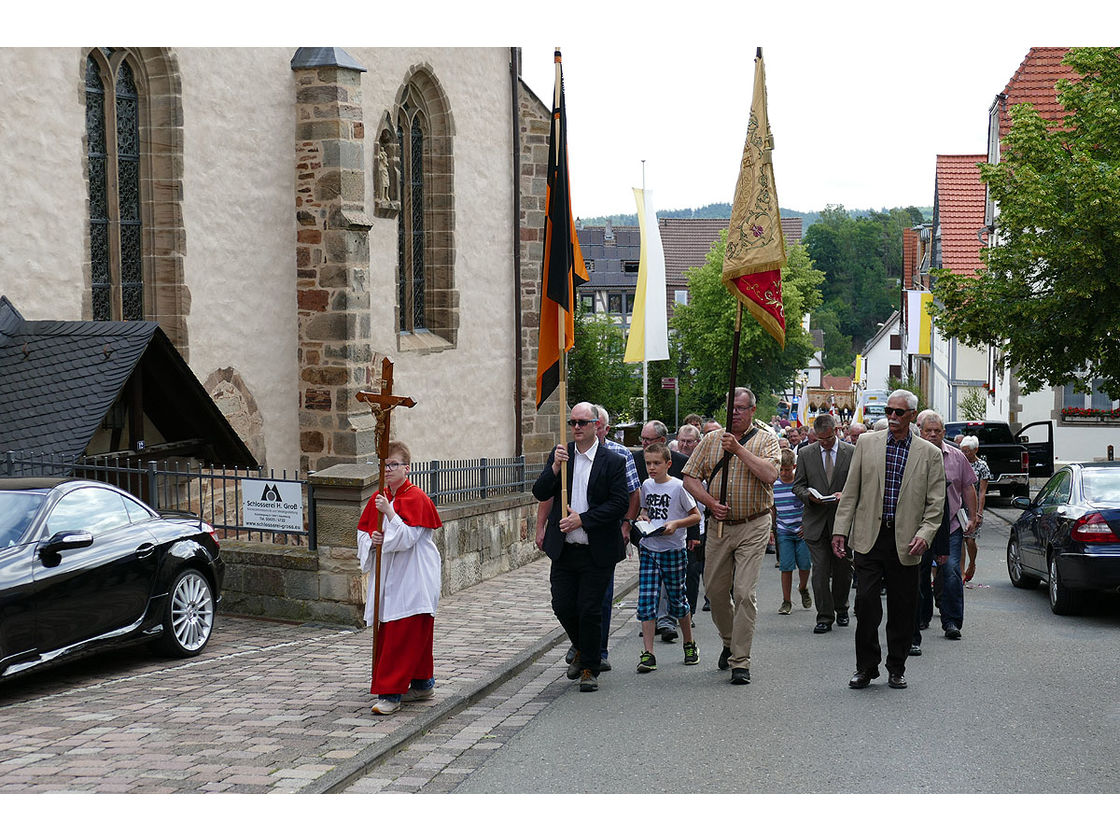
(1063, 600)
(188, 618)
(1019, 578)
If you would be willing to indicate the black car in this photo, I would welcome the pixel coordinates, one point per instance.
(84, 565)
(1069, 535)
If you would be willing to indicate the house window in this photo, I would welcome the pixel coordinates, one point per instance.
(614, 303)
(680, 296)
(629, 304)
(427, 301)
(113, 156)
(630, 266)
(589, 265)
(896, 342)
(588, 302)
(1096, 399)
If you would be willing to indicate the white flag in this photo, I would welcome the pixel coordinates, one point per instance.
(649, 327)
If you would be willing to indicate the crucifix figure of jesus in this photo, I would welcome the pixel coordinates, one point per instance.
(381, 404)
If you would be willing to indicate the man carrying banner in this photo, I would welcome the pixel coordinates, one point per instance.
(739, 529)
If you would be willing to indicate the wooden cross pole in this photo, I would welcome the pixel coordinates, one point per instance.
(381, 405)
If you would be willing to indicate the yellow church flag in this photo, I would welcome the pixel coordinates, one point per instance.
(919, 324)
(649, 328)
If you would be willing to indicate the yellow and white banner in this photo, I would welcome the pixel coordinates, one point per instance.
(649, 329)
(919, 325)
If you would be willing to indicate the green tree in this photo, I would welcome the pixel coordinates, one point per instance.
(705, 327)
(858, 288)
(1049, 292)
(596, 372)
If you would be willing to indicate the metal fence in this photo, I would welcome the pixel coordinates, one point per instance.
(215, 494)
(448, 482)
(177, 486)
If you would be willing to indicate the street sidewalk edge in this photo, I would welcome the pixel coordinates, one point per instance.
(341, 777)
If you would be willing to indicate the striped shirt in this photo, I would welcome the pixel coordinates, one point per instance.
(897, 453)
(746, 495)
(789, 508)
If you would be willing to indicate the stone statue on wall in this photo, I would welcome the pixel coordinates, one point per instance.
(386, 192)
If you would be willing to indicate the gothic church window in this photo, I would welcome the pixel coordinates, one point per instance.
(134, 163)
(427, 300)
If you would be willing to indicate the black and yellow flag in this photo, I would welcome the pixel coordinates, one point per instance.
(563, 267)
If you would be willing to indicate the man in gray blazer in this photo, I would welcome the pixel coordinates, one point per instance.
(889, 510)
(823, 467)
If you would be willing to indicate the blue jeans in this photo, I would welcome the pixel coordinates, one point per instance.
(952, 584)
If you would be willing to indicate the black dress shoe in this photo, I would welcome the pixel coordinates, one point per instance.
(896, 681)
(724, 656)
(668, 634)
(915, 650)
(842, 619)
(862, 679)
(952, 631)
(822, 627)
(740, 676)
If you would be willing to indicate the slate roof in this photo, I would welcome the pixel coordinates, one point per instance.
(959, 211)
(609, 255)
(1034, 82)
(58, 380)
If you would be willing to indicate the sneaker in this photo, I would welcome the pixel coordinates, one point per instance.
(604, 665)
(647, 662)
(668, 634)
(740, 676)
(724, 658)
(414, 694)
(806, 601)
(587, 681)
(385, 707)
(785, 608)
(691, 653)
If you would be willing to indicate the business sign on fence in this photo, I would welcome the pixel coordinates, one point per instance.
(272, 505)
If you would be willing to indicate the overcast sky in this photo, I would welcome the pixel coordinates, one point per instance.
(862, 95)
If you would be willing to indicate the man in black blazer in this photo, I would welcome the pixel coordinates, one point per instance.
(823, 466)
(584, 544)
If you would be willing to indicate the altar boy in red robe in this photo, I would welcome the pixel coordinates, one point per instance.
(410, 584)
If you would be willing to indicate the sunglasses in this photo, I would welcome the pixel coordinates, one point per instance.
(898, 412)
(581, 423)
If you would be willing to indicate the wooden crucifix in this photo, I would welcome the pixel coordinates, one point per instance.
(381, 404)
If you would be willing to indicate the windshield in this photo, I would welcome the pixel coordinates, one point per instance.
(17, 509)
(984, 433)
(1101, 485)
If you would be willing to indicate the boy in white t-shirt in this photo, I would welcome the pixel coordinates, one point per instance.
(663, 556)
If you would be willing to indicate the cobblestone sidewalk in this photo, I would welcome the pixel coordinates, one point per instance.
(269, 707)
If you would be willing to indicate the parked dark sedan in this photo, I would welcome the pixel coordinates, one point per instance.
(1069, 535)
(84, 565)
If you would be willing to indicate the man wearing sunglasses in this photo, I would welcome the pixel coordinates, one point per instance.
(585, 541)
(889, 511)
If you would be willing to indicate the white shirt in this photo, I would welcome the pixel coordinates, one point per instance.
(410, 571)
(581, 471)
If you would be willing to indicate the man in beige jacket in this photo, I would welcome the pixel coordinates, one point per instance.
(889, 510)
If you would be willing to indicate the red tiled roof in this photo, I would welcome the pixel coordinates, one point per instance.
(1034, 82)
(960, 211)
(837, 383)
(909, 257)
(686, 242)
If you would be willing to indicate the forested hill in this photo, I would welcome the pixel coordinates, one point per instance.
(723, 211)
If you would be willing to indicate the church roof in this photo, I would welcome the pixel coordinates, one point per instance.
(59, 380)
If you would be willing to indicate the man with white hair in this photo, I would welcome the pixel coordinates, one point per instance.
(970, 446)
(854, 431)
(889, 511)
(960, 485)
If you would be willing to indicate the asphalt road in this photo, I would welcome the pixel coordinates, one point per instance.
(1026, 702)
